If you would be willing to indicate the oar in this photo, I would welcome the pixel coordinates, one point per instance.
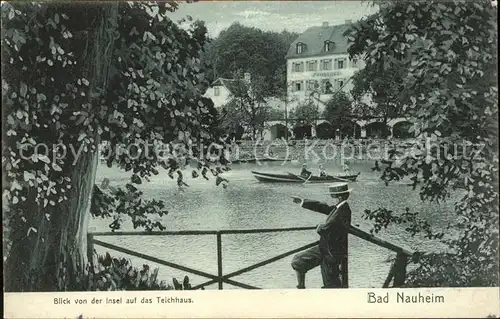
(305, 180)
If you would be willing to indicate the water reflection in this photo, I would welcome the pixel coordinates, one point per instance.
(248, 204)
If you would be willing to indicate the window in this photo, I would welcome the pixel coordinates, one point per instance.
(300, 48)
(216, 91)
(340, 64)
(328, 46)
(298, 67)
(326, 64)
(339, 83)
(298, 86)
(312, 85)
(312, 65)
(354, 63)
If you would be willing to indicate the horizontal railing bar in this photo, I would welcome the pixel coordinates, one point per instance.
(153, 259)
(353, 230)
(268, 261)
(200, 232)
(155, 233)
(265, 230)
(377, 241)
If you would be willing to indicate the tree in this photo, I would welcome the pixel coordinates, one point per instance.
(338, 111)
(248, 107)
(251, 50)
(449, 52)
(75, 76)
(303, 117)
(378, 91)
(306, 113)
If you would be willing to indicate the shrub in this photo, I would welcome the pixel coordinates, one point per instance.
(112, 274)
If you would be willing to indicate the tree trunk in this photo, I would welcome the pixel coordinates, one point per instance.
(55, 259)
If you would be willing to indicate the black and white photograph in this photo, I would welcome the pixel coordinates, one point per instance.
(249, 145)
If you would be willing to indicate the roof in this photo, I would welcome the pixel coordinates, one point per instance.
(232, 85)
(314, 39)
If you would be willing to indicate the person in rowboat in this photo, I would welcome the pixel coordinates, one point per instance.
(333, 238)
(322, 172)
(346, 167)
(304, 172)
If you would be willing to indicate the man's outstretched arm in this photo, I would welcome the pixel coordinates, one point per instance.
(314, 205)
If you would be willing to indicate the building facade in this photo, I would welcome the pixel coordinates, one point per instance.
(318, 64)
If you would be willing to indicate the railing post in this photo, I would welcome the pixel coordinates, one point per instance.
(219, 259)
(90, 247)
(344, 266)
(400, 269)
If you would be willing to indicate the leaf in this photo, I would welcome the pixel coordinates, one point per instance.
(43, 158)
(28, 176)
(136, 179)
(23, 89)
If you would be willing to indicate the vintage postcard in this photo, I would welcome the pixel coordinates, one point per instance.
(256, 159)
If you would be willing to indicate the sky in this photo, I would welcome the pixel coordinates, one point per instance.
(294, 16)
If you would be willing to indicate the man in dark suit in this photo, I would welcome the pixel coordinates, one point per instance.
(330, 254)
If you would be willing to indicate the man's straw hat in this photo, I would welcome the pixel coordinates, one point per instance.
(338, 188)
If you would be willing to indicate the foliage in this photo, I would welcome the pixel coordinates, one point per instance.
(77, 75)
(248, 107)
(252, 50)
(305, 113)
(339, 112)
(449, 52)
(112, 274)
(378, 90)
(275, 114)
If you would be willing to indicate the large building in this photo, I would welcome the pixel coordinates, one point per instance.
(318, 64)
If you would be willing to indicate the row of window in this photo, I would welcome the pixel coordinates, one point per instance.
(328, 46)
(324, 86)
(324, 65)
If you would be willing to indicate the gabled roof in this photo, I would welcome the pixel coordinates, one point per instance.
(314, 38)
(232, 85)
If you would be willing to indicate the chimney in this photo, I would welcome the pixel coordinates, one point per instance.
(247, 77)
(348, 21)
(325, 24)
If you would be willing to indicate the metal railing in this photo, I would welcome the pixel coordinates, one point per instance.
(397, 270)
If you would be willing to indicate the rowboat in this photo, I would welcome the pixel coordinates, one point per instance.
(292, 178)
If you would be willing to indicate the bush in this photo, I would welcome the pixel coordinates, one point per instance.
(111, 274)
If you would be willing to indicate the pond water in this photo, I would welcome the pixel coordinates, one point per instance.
(247, 204)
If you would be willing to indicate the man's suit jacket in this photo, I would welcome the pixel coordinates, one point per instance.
(333, 240)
